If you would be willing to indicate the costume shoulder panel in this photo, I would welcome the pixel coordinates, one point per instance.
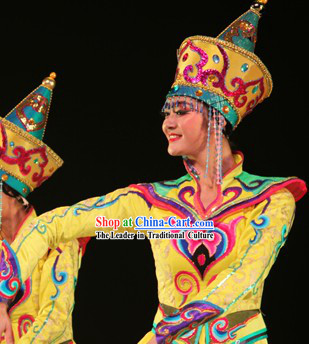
(259, 185)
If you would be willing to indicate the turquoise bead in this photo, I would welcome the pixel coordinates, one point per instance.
(244, 67)
(216, 59)
(255, 89)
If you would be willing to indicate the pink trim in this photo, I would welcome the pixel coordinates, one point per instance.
(198, 204)
(216, 201)
(197, 199)
(212, 279)
(219, 197)
(298, 191)
(155, 202)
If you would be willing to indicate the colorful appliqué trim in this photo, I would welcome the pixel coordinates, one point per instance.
(62, 279)
(22, 157)
(219, 332)
(24, 323)
(10, 280)
(186, 319)
(204, 254)
(240, 92)
(26, 288)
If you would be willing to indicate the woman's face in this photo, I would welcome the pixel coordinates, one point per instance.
(7, 203)
(185, 129)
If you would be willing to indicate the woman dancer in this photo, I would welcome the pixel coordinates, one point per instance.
(209, 290)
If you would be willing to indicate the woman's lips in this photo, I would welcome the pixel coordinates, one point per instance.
(173, 137)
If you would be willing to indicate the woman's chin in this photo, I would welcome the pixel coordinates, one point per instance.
(174, 152)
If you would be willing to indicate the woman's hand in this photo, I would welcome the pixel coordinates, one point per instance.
(5, 324)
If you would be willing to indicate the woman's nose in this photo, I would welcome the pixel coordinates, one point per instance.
(171, 120)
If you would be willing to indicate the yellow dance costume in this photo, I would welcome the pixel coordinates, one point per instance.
(209, 291)
(42, 311)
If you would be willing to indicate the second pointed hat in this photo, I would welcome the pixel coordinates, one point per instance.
(25, 161)
(224, 72)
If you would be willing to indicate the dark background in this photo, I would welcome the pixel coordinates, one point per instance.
(115, 64)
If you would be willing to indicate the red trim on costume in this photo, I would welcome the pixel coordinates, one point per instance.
(83, 243)
(298, 188)
(25, 296)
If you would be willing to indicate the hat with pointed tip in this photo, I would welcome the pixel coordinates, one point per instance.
(224, 72)
(25, 161)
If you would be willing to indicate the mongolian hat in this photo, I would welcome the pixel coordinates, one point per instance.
(224, 72)
(25, 161)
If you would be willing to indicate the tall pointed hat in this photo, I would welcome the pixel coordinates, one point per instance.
(224, 72)
(25, 161)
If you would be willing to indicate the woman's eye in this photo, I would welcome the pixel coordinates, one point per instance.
(181, 112)
(164, 114)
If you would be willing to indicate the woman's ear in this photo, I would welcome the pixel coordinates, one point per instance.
(224, 123)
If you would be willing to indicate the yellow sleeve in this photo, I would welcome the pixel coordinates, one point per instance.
(62, 225)
(265, 233)
(56, 297)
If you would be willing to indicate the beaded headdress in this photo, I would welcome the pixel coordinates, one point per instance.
(25, 161)
(223, 73)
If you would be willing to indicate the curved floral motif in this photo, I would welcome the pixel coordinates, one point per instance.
(213, 251)
(247, 30)
(182, 194)
(237, 192)
(258, 226)
(188, 337)
(63, 276)
(220, 333)
(24, 323)
(152, 197)
(240, 86)
(26, 293)
(21, 156)
(199, 66)
(185, 282)
(39, 104)
(10, 281)
(253, 185)
(189, 317)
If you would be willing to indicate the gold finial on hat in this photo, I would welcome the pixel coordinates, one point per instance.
(258, 5)
(53, 75)
(50, 82)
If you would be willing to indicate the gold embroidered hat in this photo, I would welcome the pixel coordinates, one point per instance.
(25, 161)
(224, 72)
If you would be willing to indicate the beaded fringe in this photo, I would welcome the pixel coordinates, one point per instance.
(215, 121)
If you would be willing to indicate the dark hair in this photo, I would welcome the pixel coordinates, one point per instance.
(227, 131)
(9, 191)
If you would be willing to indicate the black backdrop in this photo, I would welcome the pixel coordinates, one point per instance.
(114, 65)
